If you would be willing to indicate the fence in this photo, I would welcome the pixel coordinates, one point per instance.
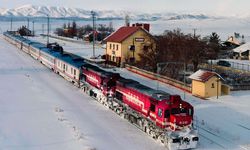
(240, 66)
(237, 79)
(160, 78)
(239, 87)
(225, 69)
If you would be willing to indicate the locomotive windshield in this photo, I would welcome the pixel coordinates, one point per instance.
(175, 111)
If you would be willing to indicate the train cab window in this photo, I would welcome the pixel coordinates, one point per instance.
(152, 107)
(190, 112)
(74, 72)
(174, 111)
(183, 110)
(160, 112)
(167, 114)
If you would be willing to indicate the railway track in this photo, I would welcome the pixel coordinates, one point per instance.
(219, 140)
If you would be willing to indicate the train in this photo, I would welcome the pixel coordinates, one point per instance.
(165, 117)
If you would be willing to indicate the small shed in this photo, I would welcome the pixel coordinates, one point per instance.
(207, 84)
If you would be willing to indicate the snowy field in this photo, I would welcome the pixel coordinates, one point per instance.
(42, 111)
(85, 50)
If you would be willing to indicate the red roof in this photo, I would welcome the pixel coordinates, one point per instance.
(203, 75)
(121, 34)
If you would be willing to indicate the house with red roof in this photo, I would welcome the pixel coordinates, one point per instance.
(124, 45)
(207, 84)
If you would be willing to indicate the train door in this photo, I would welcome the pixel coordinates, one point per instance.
(152, 110)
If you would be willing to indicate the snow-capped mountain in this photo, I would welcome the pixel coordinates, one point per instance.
(64, 12)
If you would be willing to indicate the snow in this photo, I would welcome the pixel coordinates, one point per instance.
(83, 49)
(42, 111)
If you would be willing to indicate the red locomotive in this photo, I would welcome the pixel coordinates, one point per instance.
(161, 115)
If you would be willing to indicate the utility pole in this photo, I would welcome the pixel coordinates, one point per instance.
(47, 30)
(93, 17)
(42, 28)
(184, 74)
(194, 32)
(33, 28)
(28, 26)
(11, 24)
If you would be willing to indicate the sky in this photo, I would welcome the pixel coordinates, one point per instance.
(222, 7)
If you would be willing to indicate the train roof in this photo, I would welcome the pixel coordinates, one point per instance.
(72, 59)
(37, 45)
(50, 52)
(156, 94)
(69, 58)
(99, 71)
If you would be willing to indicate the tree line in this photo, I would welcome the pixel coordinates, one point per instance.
(178, 51)
(73, 30)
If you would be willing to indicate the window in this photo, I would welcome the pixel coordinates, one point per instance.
(113, 46)
(174, 111)
(190, 112)
(117, 46)
(167, 114)
(66, 67)
(74, 72)
(183, 110)
(110, 46)
(71, 70)
(212, 85)
(152, 107)
(160, 112)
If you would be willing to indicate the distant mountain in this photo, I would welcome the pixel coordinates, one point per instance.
(63, 12)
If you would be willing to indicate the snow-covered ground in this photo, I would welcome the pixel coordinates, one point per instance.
(42, 111)
(85, 49)
(223, 123)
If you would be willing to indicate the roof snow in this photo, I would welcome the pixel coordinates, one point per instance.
(204, 75)
(242, 48)
(233, 40)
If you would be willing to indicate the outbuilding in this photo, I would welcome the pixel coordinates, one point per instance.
(207, 84)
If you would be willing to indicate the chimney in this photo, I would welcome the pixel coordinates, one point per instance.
(145, 26)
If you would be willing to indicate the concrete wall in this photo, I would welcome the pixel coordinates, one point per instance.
(160, 78)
